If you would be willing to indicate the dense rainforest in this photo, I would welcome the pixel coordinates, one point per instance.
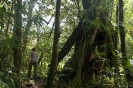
(80, 43)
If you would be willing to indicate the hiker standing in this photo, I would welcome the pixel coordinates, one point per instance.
(33, 61)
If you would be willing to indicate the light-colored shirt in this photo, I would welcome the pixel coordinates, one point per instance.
(34, 56)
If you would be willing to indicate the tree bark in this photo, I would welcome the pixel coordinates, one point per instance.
(17, 40)
(77, 83)
(54, 61)
(17, 37)
(70, 42)
(129, 77)
(122, 29)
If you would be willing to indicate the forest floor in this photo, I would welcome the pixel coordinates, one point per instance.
(31, 83)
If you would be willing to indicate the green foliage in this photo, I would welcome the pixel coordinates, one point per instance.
(6, 15)
(67, 73)
(3, 85)
(129, 44)
(127, 64)
(8, 78)
(65, 77)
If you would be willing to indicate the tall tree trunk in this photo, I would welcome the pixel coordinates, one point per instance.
(116, 38)
(54, 61)
(17, 37)
(122, 29)
(129, 77)
(17, 40)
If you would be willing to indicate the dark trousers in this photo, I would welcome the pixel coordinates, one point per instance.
(34, 64)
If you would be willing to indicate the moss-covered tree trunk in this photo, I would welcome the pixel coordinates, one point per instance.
(90, 32)
(54, 61)
(77, 83)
